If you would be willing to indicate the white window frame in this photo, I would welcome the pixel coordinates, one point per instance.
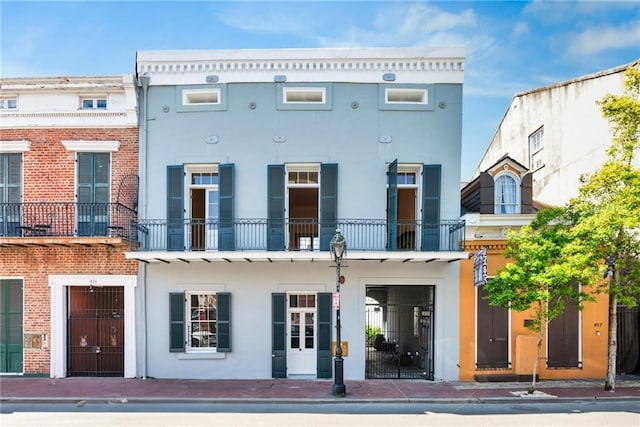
(8, 103)
(189, 320)
(95, 100)
(397, 95)
(536, 147)
(304, 95)
(516, 203)
(210, 96)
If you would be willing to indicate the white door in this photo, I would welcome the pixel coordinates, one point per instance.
(301, 336)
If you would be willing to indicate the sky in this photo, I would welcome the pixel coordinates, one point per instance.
(511, 46)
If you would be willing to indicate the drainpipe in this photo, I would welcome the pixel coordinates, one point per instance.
(142, 210)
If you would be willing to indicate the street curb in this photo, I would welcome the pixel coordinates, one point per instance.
(271, 400)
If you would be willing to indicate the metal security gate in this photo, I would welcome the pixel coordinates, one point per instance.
(95, 331)
(399, 336)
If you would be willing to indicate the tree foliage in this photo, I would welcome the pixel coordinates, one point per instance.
(566, 246)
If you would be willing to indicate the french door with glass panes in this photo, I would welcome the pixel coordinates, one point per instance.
(301, 337)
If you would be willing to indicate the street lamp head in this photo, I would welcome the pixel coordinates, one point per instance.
(338, 246)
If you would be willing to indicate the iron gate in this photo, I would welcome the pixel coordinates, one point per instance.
(399, 338)
(95, 342)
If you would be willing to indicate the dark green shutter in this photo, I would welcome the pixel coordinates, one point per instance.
(93, 189)
(324, 335)
(226, 240)
(487, 195)
(392, 205)
(275, 218)
(328, 203)
(11, 320)
(224, 322)
(176, 322)
(526, 194)
(279, 335)
(10, 193)
(175, 208)
(431, 207)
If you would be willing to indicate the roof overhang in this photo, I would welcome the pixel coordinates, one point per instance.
(168, 257)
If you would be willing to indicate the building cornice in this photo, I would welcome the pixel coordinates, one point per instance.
(362, 65)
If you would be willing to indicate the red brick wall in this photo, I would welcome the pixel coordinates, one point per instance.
(49, 176)
(49, 169)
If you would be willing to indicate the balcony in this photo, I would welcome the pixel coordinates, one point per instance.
(290, 239)
(43, 223)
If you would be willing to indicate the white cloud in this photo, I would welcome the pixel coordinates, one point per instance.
(519, 29)
(594, 40)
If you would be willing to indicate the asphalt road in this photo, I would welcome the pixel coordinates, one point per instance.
(121, 414)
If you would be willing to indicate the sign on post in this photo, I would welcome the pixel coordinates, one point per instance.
(480, 267)
(336, 300)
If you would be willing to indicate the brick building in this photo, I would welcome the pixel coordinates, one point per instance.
(68, 192)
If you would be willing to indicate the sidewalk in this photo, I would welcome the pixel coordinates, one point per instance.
(293, 390)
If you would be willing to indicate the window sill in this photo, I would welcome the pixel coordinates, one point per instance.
(202, 356)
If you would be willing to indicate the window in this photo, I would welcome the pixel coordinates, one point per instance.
(93, 193)
(94, 103)
(536, 145)
(406, 96)
(202, 327)
(507, 197)
(201, 96)
(8, 103)
(304, 95)
(200, 322)
(10, 193)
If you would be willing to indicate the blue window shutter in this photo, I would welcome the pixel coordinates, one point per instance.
(275, 214)
(279, 335)
(226, 241)
(224, 322)
(175, 208)
(176, 322)
(392, 205)
(431, 207)
(328, 203)
(324, 335)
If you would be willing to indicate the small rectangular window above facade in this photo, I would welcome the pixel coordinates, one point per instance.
(210, 97)
(9, 103)
(536, 147)
(201, 96)
(94, 103)
(314, 95)
(407, 97)
(305, 96)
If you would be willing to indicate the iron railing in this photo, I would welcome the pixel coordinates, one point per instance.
(65, 219)
(295, 235)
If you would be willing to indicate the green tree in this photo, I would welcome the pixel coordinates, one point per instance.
(607, 207)
(571, 245)
(538, 278)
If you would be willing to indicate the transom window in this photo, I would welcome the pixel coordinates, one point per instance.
(205, 178)
(303, 177)
(302, 301)
(94, 103)
(315, 95)
(8, 103)
(202, 327)
(506, 193)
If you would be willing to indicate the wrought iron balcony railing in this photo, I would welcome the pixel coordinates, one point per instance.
(295, 235)
(62, 219)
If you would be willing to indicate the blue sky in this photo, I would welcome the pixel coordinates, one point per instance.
(511, 46)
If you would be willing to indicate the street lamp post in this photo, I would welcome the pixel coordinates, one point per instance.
(338, 249)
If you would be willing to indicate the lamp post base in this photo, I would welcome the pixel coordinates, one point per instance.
(338, 386)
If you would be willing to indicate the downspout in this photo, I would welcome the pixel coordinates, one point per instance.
(142, 210)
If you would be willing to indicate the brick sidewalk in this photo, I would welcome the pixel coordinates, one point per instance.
(20, 388)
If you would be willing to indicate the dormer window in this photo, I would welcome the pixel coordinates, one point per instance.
(507, 195)
(94, 103)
